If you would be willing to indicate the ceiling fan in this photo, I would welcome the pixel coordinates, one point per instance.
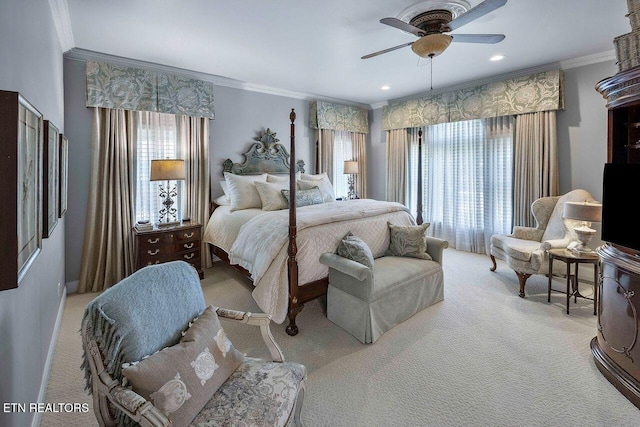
(431, 25)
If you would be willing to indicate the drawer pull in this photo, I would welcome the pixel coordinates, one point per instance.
(153, 252)
(188, 236)
(189, 256)
(152, 263)
(154, 241)
(188, 245)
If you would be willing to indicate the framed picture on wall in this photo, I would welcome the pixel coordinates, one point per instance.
(64, 174)
(51, 178)
(21, 191)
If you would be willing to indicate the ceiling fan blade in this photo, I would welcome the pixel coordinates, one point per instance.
(478, 38)
(371, 55)
(401, 25)
(482, 9)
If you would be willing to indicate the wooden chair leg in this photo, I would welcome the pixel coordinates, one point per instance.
(522, 278)
(493, 260)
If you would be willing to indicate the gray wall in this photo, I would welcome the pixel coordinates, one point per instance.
(240, 116)
(32, 65)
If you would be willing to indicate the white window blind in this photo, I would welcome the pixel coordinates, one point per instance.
(342, 150)
(156, 139)
(467, 180)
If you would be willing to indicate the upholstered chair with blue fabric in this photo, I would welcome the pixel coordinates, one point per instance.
(156, 355)
(525, 249)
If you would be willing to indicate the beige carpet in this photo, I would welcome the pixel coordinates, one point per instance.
(482, 357)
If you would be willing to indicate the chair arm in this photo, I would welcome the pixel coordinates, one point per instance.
(354, 269)
(137, 408)
(255, 319)
(435, 248)
(527, 233)
(556, 243)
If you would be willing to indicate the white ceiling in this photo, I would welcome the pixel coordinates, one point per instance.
(314, 47)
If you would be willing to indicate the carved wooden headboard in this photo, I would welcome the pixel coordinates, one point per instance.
(264, 156)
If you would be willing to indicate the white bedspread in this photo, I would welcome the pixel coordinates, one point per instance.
(260, 244)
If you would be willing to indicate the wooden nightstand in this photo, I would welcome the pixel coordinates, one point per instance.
(171, 243)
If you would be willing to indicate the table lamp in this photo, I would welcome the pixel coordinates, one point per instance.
(167, 170)
(351, 169)
(587, 212)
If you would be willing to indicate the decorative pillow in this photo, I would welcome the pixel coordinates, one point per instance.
(305, 197)
(242, 190)
(180, 380)
(355, 249)
(323, 184)
(408, 241)
(271, 195)
(222, 200)
(313, 177)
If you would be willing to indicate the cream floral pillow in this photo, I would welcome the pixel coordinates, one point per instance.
(408, 241)
(271, 195)
(180, 380)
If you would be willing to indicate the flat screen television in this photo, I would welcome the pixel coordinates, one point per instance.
(620, 222)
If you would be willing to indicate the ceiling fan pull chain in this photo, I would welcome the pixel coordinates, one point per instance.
(431, 64)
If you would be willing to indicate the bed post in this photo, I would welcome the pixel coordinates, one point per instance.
(419, 217)
(292, 263)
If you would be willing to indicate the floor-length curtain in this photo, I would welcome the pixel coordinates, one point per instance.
(108, 253)
(535, 163)
(193, 143)
(467, 168)
(397, 156)
(324, 155)
(359, 151)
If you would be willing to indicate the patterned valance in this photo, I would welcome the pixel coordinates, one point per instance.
(325, 115)
(538, 92)
(128, 88)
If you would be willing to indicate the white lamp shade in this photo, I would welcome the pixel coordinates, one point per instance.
(350, 167)
(167, 170)
(583, 211)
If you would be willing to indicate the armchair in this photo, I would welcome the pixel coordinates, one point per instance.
(525, 250)
(149, 311)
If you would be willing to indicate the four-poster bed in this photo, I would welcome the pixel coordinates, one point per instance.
(279, 250)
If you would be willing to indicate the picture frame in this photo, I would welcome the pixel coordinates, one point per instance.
(50, 178)
(21, 192)
(64, 175)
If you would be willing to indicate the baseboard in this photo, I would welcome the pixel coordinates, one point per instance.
(42, 395)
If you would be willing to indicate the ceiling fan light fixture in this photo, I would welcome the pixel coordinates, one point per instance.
(431, 45)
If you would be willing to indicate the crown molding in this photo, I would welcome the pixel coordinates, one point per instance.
(594, 58)
(563, 65)
(378, 105)
(88, 55)
(62, 22)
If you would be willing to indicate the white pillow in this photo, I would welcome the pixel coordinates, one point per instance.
(281, 178)
(225, 189)
(271, 195)
(308, 177)
(323, 184)
(242, 190)
(222, 200)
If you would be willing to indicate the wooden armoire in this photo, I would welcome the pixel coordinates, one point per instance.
(615, 348)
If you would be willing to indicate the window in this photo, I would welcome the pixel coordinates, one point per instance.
(156, 138)
(342, 150)
(466, 180)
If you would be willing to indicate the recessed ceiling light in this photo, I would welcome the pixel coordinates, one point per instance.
(385, 87)
(496, 57)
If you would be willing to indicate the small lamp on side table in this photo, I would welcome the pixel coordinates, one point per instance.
(351, 169)
(167, 170)
(587, 212)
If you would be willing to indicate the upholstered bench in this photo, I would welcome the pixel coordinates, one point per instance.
(368, 302)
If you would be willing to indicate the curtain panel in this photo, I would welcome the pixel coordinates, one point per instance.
(520, 95)
(128, 88)
(325, 115)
